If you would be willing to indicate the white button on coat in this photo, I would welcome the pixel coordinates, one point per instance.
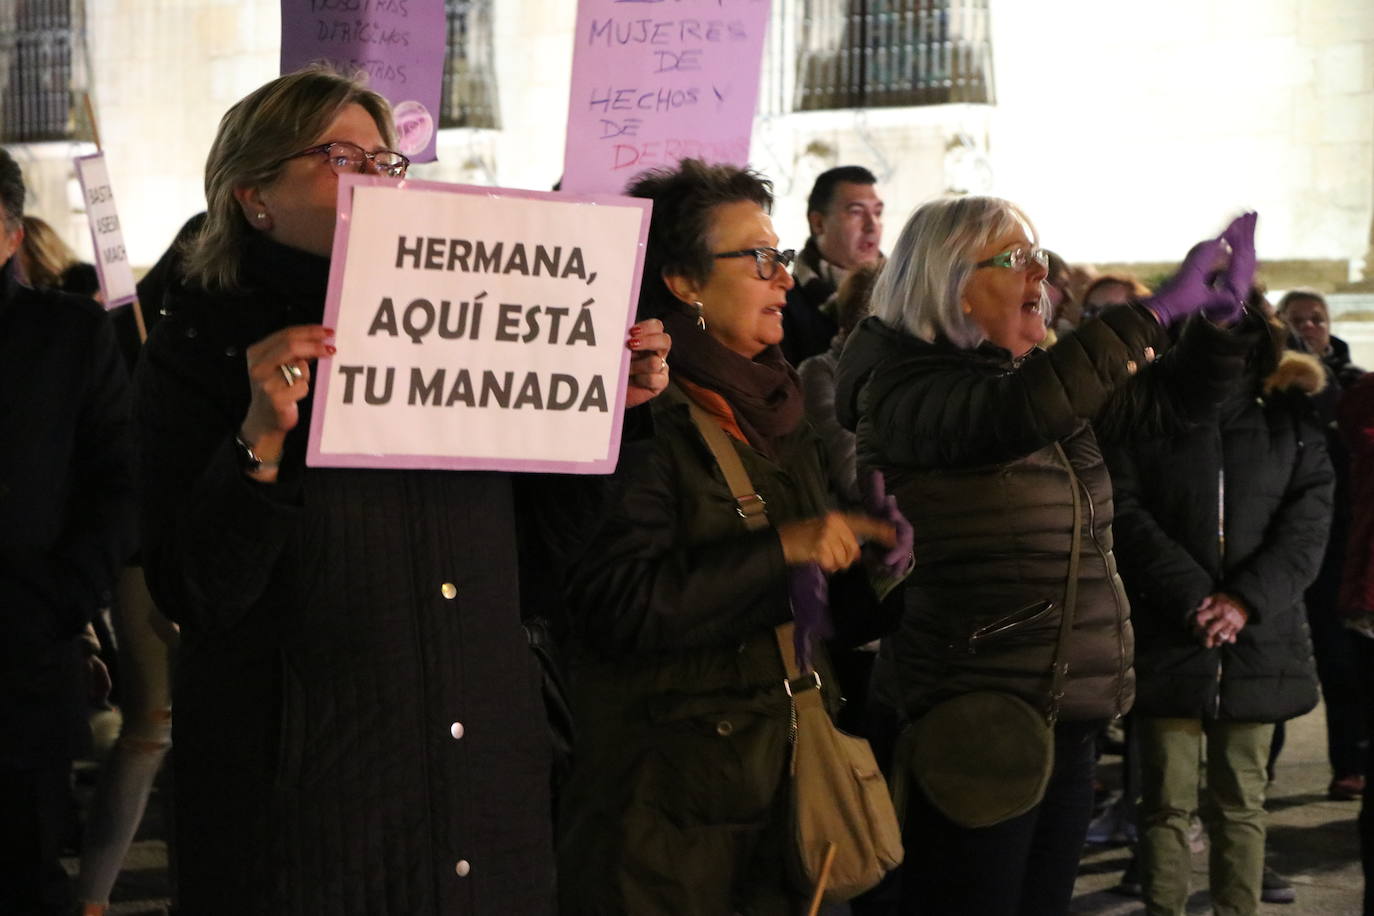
(456, 730)
(462, 868)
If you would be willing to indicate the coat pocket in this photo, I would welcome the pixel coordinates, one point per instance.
(1031, 622)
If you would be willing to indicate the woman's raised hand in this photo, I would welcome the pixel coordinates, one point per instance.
(279, 375)
(832, 541)
(1215, 278)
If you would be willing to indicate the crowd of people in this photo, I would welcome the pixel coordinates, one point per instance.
(424, 692)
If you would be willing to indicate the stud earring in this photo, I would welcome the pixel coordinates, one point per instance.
(701, 319)
(262, 215)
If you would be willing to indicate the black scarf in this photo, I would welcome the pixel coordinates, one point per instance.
(764, 392)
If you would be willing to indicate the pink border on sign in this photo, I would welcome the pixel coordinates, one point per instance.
(95, 242)
(314, 457)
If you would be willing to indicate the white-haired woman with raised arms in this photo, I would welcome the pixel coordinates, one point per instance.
(988, 444)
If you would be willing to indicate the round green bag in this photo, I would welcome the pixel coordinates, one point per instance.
(982, 757)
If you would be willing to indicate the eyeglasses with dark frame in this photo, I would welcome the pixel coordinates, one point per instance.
(1017, 259)
(766, 260)
(346, 158)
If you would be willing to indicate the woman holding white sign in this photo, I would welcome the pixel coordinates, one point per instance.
(359, 722)
(678, 798)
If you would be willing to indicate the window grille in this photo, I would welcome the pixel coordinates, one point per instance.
(469, 93)
(884, 53)
(36, 45)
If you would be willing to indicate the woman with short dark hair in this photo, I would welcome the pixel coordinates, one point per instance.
(678, 803)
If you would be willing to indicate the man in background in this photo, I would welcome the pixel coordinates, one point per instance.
(66, 528)
(845, 216)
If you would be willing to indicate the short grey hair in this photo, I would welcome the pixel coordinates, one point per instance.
(921, 287)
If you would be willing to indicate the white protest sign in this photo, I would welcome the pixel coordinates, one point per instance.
(477, 328)
(111, 261)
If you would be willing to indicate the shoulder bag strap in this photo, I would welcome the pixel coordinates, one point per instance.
(748, 503)
(1061, 664)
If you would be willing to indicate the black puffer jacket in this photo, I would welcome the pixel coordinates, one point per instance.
(974, 447)
(1239, 503)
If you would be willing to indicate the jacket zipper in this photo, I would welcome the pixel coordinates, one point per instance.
(1116, 597)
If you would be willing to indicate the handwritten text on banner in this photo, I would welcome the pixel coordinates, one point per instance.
(654, 83)
(399, 44)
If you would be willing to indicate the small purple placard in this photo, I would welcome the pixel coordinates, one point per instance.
(399, 43)
(477, 328)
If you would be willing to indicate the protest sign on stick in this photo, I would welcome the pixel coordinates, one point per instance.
(398, 43)
(111, 260)
(653, 84)
(477, 328)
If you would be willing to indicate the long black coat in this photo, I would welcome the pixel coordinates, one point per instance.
(352, 735)
(1241, 504)
(974, 448)
(66, 509)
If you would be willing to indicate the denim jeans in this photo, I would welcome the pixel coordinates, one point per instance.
(1232, 809)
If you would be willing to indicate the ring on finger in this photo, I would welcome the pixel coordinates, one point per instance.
(291, 372)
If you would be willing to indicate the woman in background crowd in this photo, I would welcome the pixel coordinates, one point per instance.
(43, 257)
(1347, 736)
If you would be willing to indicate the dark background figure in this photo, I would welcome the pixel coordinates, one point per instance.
(1356, 602)
(844, 215)
(43, 257)
(1347, 736)
(1216, 548)
(66, 529)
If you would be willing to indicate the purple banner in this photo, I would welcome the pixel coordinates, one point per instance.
(654, 83)
(398, 43)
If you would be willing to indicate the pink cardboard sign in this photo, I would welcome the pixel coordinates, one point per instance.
(653, 84)
(477, 328)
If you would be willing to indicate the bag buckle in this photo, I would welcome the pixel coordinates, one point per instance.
(750, 506)
(810, 681)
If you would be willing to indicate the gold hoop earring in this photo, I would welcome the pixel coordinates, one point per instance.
(701, 319)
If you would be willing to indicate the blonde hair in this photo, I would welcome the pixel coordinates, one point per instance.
(43, 255)
(273, 121)
(921, 287)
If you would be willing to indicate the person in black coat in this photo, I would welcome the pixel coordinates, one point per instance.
(1220, 526)
(66, 528)
(359, 723)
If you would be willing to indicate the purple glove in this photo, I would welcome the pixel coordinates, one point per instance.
(1239, 276)
(881, 506)
(1189, 291)
(810, 593)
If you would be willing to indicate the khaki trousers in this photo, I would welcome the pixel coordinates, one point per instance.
(1232, 808)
